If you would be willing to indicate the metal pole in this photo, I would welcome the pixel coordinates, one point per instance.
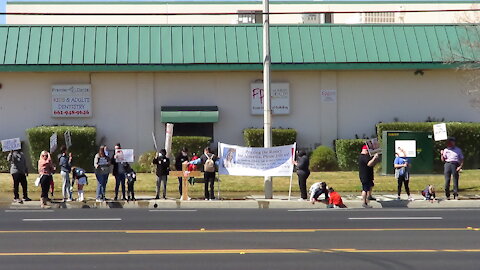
(267, 111)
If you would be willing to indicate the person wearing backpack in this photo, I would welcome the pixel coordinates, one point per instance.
(208, 159)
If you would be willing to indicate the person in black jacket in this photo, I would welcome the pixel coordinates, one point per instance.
(162, 162)
(303, 172)
(119, 173)
(179, 160)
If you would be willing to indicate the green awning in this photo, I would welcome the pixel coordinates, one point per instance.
(177, 114)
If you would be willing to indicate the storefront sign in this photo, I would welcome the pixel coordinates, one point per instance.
(329, 96)
(280, 102)
(256, 161)
(11, 144)
(72, 100)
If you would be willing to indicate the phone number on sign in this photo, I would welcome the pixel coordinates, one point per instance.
(71, 112)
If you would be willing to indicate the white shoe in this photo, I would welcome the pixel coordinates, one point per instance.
(411, 199)
(301, 200)
(99, 200)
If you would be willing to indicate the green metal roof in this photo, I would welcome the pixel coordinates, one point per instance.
(233, 47)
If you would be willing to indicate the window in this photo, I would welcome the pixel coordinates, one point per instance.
(378, 17)
(193, 129)
(317, 18)
(250, 16)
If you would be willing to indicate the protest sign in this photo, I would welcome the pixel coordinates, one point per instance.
(440, 132)
(406, 148)
(168, 138)
(68, 139)
(256, 161)
(124, 155)
(154, 141)
(53, 142)
(373, 146)
(11, 144)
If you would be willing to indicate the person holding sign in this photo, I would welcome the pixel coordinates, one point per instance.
(181, 158)
(46, 170)
(19, 172)
(303, 172)
(162, 164)
(119, 171)
(453, 158)
(101, 163)
(65, 163)
(208, 159)
(365, 173)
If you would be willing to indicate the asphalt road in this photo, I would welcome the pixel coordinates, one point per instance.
(240, 239)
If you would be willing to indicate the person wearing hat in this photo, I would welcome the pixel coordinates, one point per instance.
(365, 173)
(453, 158)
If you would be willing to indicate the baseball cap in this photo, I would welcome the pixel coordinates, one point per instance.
(364, 147)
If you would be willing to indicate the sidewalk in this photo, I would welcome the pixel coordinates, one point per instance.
(251, 202)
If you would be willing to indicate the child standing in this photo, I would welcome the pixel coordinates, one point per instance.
(131, 178)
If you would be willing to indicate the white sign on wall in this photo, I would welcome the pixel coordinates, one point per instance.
(329, 96)
(72, 100)
(406, 148)
(440, 132)
(280, 93)
(11, 144)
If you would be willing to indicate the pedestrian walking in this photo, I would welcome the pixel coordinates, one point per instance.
(101, 163)
(365, 173)
(19, 172)
(45, 170)
(302, 163)
(119, 171)
(162, 164)
(82, 180)
(453, 158)
(402, 173)
(65, 163)
(181, 158)
(208, 159)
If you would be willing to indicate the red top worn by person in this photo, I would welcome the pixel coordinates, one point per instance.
(335, 199)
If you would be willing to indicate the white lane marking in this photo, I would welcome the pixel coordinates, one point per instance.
(27, 211)
(71, 219)
(396, 218)
(172, 210)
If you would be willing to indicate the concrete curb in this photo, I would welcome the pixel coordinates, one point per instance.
(239, 204)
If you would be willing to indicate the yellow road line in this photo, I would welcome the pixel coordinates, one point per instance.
(238, 230)
(237, 251)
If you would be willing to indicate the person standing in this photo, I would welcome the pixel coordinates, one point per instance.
(453, 158)
(181, 158)
(208, 159)
(82, 179)
(65, 163)
(162, 163)
(402, 173)
(101, 163)
(119, 171)
(303, 172)
(19, 172)
(46, 170)
(365, 173)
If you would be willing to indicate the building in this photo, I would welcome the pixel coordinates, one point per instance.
(330, 81)
(243, 12)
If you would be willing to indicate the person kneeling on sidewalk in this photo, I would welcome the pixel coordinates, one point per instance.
(429, 193)
(82, 179)
(335, 200)
(316, 190)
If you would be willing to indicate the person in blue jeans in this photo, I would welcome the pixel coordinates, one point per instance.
(402, 173)
(101, 163)
(119, 170)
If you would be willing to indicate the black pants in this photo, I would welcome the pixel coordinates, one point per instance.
(180, 185)
(130, 190)
(209, 182)
(401, 181)
(45, 184)
(120, 181)
(450, 169)
(302, 183)
(19, 178)
(320, 192)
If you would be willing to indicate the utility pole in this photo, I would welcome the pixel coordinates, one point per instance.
(267, 108)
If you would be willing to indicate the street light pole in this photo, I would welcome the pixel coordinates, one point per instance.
(267, 111)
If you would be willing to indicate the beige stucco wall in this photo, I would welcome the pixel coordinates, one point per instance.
(436, 17)
(126, 106)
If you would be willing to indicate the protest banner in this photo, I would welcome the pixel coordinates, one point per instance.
(124, 155)
(256, 161)
(168, 138)
(11, 144)
(440, 132)
(68, 139)
(53, 142)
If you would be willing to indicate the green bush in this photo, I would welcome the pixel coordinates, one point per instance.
(467, 135)
(83, 144)
(195, 144)
(4, 164)
(144, 164)
(254, 137)
(347, 153)
(323, 159)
